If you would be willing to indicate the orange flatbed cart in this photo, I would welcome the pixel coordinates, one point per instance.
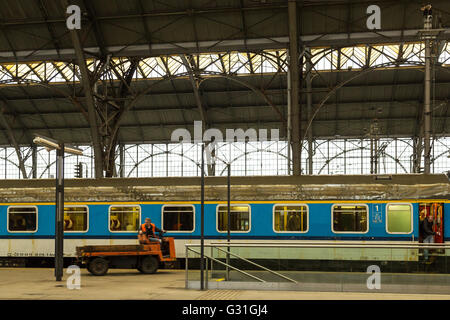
(144, 257)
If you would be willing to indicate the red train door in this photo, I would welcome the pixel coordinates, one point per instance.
(437, 210)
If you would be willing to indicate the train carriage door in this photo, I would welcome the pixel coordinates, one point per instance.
(437, 211)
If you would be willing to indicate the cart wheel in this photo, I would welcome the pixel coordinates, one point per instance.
(148, 264)
(98, 267)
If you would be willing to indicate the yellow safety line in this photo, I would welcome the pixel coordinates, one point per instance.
(112, 203)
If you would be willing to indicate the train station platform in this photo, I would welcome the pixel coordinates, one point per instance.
(40, 284)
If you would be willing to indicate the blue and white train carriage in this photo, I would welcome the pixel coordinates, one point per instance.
(263, 209)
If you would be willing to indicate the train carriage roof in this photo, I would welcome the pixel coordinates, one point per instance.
(256, 188)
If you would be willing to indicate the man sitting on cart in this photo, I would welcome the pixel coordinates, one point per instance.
(147, 232)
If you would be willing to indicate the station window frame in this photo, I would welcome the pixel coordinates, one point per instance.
(26, 231)
(87, 217)
(290, 205)
(178, 205)
(124, 205)
(350, 204)
(411, 215)
(234, 205)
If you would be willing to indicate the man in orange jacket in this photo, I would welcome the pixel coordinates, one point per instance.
(147, 232)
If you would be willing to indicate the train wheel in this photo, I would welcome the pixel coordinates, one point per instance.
(148, 265)
(98, 267)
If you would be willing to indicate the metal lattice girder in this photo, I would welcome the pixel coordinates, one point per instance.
(38, 31)
(230, 63)
(243, 89)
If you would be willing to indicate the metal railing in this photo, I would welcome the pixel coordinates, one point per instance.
(359, 244)
(225, 247)
(226, 264)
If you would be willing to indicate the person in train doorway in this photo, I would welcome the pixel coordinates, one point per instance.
(428, 234)
(147, 232)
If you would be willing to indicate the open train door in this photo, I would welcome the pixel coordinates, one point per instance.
(437, 211)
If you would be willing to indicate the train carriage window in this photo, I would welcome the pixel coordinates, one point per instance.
(178, 218)
(399, 218)
(22, 219)
(350, 218)
(290, 218)
(75, 219)
(124, 218)
(239, 218)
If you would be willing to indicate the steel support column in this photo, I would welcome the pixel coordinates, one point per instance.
(294, 85)
(195, 86)
(427, 95)
(59, 213)
(289, 119)
(228, 218)
(121, 160)
(88, 91)
(210, 147)
(202, 219)
(417, 153)
(373, 155)
(34, 162)
(309, 108)
(211, 158)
